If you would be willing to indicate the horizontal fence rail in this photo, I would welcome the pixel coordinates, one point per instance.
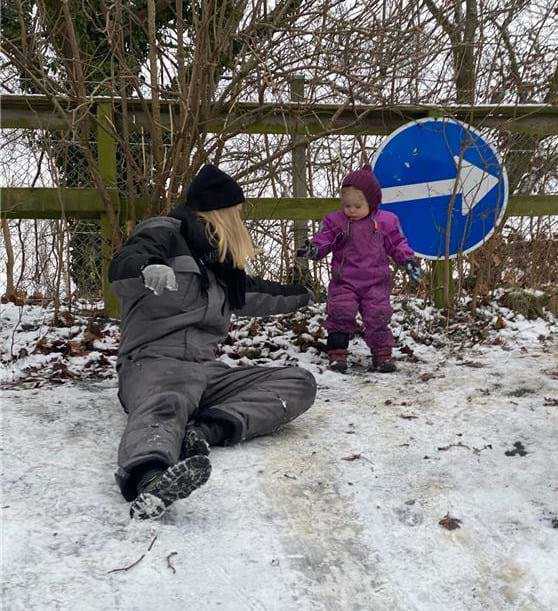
(42, 112)
(52, 203)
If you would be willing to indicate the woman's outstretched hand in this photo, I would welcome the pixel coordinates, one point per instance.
(158, 278)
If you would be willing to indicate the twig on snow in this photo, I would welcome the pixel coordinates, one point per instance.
(152, 542)
(169, 563)
(127, 568)
(131, 566)
(358, 456)
(477, 451)
(454, 445)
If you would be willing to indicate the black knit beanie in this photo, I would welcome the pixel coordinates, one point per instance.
(212, 189)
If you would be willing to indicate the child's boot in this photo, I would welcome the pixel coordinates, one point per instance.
(383, 361)
(337, 359)
(337, 344)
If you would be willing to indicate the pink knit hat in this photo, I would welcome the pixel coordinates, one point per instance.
(365, 181)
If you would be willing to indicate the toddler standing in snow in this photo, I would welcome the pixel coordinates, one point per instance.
(361, 237)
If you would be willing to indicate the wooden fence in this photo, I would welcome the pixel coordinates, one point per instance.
(298, 119)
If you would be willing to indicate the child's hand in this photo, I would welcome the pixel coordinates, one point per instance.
(308, 251)
(412, 267)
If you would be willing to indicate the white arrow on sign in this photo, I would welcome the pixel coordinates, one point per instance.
(472, 182)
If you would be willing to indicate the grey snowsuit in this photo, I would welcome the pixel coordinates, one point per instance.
(168, 375)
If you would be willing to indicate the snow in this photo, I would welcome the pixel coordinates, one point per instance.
(284, 521)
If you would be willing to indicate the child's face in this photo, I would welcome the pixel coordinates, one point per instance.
(354, 203)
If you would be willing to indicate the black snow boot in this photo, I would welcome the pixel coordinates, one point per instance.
(195, 441)
(159, 489)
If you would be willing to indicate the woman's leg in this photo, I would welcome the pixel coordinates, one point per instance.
(159, 395)
(246, 402)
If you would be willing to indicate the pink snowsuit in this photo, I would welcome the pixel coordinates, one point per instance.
(361, 278)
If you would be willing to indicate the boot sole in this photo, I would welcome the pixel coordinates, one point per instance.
(389, 369)
(194, 446)
(177, 482)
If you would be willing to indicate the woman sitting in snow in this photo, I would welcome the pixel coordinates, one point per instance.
(361, 238)
(178, 278)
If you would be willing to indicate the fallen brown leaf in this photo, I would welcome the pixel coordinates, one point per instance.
(42, 346)
(255, 328)
(450, 523)
(102, 361)
(426, 376)
(60, 371)
(500, 323)
(17, 298)
(410, 354)
(75, 349)
(92, 332)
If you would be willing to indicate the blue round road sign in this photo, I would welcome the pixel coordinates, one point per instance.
(446, 184)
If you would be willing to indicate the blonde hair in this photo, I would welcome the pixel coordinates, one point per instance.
(225, 227)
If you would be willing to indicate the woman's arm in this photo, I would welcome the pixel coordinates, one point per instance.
(264, 297)
(151, 243)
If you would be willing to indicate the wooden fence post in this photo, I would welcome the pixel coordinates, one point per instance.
(442, 285)
(299, 183)
(106, 155)
(442, 270)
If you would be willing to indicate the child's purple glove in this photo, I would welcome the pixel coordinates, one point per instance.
(412, 267)
(308, 251)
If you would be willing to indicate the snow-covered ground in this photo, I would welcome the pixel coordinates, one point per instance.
(340, 510)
